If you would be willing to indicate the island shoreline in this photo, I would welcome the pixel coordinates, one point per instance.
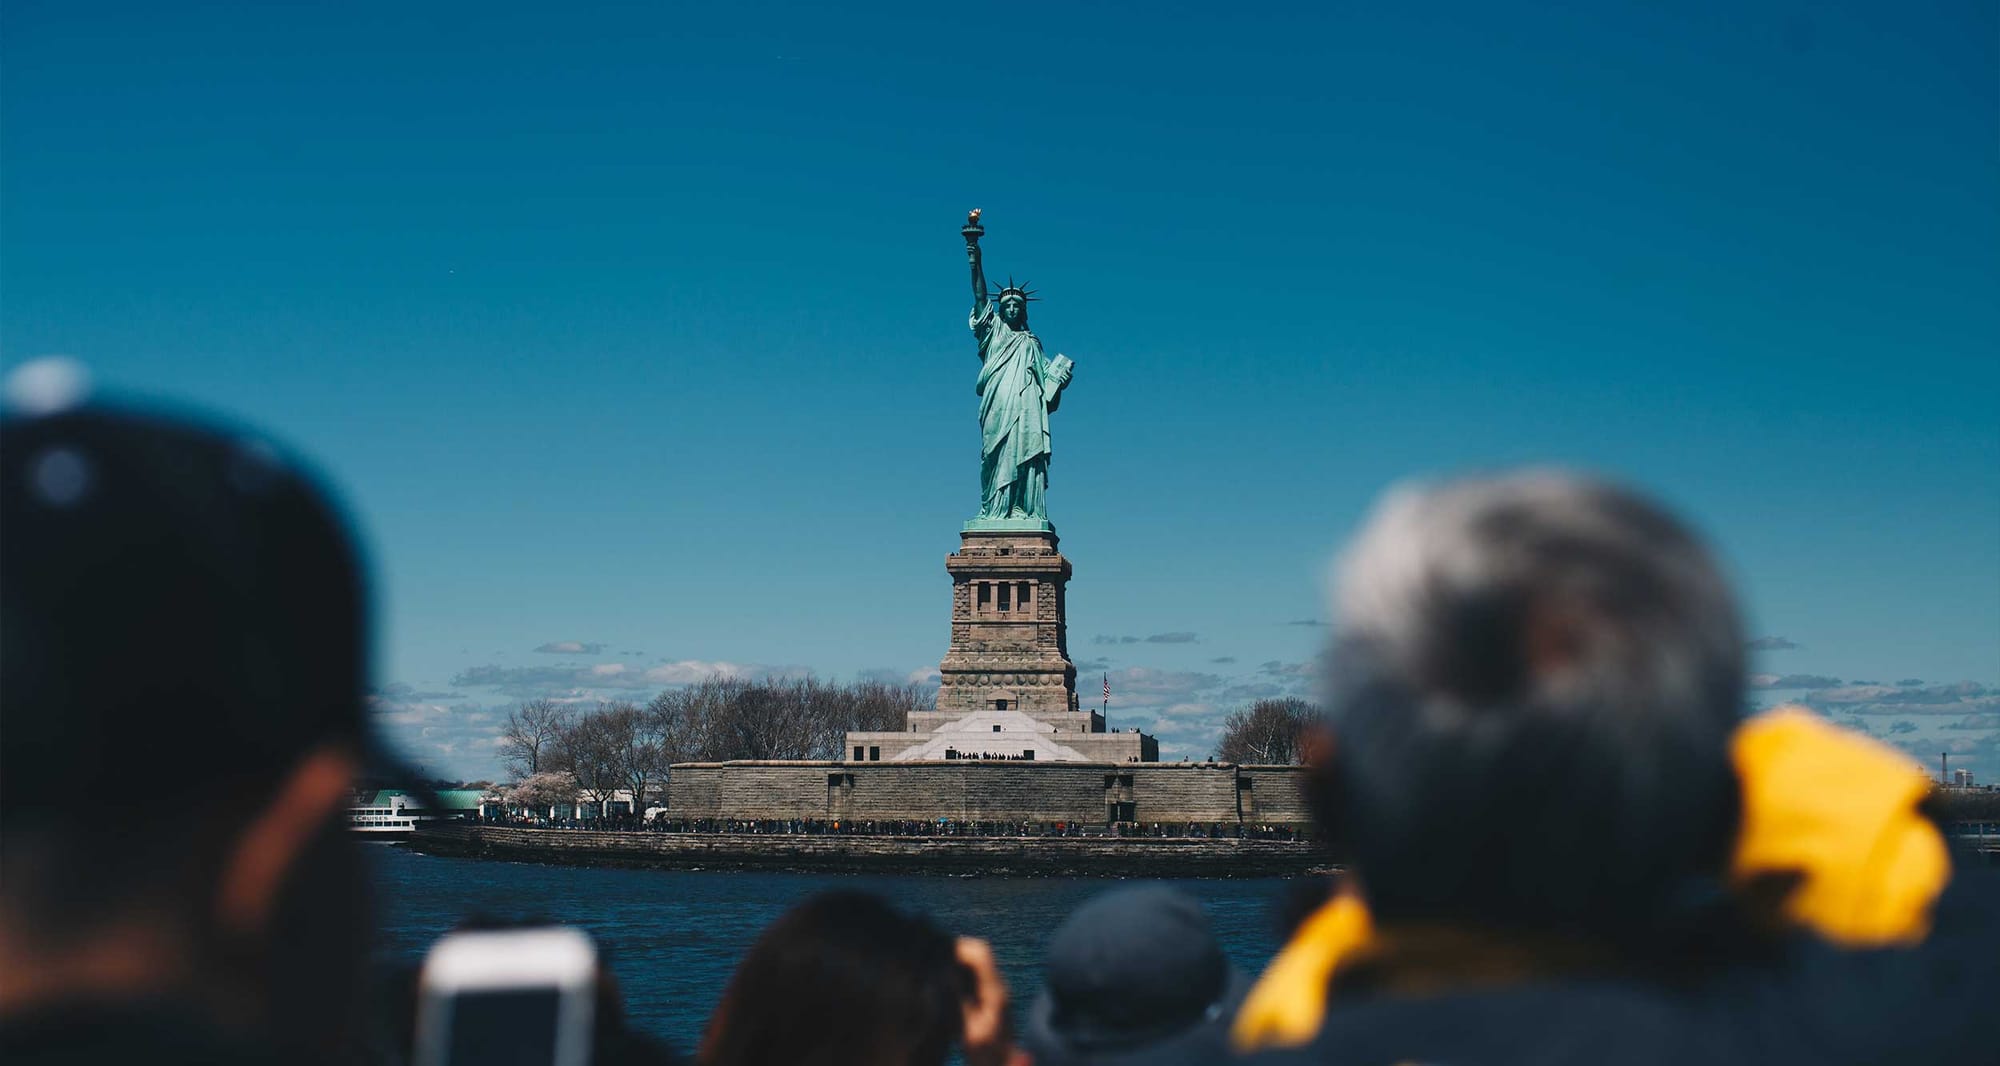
(1100, 857)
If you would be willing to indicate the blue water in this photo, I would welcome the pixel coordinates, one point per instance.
(674, 937)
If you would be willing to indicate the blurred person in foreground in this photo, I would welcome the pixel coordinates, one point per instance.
(183, 655)
(1566, 844)
(846, 979)
(1134, 976)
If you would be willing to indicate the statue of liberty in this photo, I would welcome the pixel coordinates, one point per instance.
(1018, 387)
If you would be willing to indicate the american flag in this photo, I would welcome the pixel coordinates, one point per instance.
(1107, 688)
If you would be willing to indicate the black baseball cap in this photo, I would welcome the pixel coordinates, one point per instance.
(1135, 976)
(179, 598)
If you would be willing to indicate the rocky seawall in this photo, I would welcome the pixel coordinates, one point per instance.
(1162, 857)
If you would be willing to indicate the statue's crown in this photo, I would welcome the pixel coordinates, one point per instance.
(1021, 290)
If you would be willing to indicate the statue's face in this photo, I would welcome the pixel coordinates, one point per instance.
(1013, 309)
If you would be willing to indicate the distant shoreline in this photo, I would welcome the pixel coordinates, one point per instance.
(1149, 857)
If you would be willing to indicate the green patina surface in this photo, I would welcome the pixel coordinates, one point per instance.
(1010, 525)
(1018, 386)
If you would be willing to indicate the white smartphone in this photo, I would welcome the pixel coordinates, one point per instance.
(507, 997)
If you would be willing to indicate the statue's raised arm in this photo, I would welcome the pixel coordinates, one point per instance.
(973, 231)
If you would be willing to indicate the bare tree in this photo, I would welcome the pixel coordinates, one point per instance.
(530, 731)
(638, 750)
(719, 719)
(866, 706)
(881, 707)
(685, 719)
(588, 750)
(1267, 732)
(769, 720)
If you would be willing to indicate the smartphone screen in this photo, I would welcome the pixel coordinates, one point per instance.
(518, 997)
(515, 1027)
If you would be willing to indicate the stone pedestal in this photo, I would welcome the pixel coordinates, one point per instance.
(1008, 689)
(1009, 635)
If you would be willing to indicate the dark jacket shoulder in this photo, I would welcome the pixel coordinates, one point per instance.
(1808, 1003)
(119, 1035)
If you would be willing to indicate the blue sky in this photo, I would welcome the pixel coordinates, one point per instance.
(639, 329)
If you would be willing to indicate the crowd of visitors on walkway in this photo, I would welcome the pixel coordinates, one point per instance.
(1564, 841)
(915, 827)
(904, 827)
(949, 827)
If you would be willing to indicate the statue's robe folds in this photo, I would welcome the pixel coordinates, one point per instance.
(1018, 387)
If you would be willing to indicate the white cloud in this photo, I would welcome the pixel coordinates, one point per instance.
(455, 740)
(410, 714)
(604, 679)
(688, 671)
(570, 647)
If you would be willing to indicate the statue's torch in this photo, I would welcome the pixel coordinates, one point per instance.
(973, 230)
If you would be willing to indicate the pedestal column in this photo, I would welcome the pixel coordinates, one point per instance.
(1009, 635)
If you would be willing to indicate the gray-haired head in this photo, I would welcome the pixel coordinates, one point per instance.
(1532, 689)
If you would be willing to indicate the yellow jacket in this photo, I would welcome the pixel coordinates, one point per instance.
(1831, 805)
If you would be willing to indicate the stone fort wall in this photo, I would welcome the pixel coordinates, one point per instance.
(1083, 793)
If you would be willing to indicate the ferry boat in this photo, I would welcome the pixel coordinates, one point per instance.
(392, 815)
(395, 818)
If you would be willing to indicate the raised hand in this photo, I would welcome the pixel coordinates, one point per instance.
(973, 231)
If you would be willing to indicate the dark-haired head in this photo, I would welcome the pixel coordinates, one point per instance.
(1532, 692)
(843, 977)
(182, 598)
